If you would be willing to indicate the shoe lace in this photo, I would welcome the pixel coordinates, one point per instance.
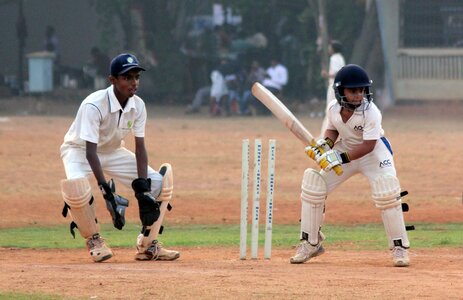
(95, 241)
(302, 248)
(154, 248)
(399, 252)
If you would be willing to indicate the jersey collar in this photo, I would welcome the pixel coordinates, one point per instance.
(114, 103)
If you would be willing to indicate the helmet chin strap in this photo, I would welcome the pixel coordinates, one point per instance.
(353, 106)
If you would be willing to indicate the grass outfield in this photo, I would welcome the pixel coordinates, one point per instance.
(362, 237)
(35, 296)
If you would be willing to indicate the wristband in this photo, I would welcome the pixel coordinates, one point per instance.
(345, 157)
(329, 142)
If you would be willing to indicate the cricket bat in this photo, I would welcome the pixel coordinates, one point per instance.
(286, 117)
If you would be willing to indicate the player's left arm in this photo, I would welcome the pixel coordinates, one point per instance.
(138, 131)
(360, 150)
(142, 157)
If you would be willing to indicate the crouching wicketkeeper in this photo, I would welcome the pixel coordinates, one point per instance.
(94, 144)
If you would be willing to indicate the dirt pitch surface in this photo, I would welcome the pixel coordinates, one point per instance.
(206, 155)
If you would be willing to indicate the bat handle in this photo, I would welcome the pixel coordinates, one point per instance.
(323, 164)
(338, 170)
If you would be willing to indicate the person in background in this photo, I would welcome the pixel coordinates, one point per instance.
(100, 62)
(336, 63)
(275, 79)
(51, 44)
(256, 74)
(202, 95)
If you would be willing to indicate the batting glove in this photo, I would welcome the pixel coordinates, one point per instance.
(333, 158)
(315, 151)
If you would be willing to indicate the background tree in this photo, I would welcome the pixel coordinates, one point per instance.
(162, 32)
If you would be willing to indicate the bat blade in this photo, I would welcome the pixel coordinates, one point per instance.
(287, 118)
(282, 113)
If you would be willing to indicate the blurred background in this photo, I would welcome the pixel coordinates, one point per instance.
(413, 50)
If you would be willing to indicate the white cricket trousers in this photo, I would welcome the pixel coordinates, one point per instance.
(121, 165)
(376, 163)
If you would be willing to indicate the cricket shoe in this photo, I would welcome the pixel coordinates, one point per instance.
(400, 257)
(155, 251)
(306, 251)
(98, 249)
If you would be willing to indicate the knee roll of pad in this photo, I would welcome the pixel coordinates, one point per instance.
(167, 182)
(386, 191)
(313, 187)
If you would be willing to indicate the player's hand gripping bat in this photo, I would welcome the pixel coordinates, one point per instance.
(287, 118)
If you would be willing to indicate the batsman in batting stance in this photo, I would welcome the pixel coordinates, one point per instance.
(94, 144)
(354, 121)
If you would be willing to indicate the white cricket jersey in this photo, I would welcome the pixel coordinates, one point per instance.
(101, 120)
(362, 125)
(336, 63)
(278, 77)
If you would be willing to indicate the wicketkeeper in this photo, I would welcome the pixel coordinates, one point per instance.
(94, 144)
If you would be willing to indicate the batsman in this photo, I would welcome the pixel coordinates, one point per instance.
(94, 145)
(361, 147)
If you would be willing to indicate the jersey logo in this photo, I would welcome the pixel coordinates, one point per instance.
(358, 128)
(385, 163)
(129, 124)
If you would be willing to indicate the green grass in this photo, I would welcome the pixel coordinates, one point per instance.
(367, 237)
(23, 296)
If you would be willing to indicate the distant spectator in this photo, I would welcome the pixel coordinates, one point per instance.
(256, 74)
(201, 96)
(223, 40)
(219, 90)
(100, 62)
(336, 63)
(275, 79)
(234, 77)
(51, 44)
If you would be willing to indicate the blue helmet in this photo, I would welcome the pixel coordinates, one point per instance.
(352, 76)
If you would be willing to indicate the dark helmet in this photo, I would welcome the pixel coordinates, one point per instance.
(351, 76)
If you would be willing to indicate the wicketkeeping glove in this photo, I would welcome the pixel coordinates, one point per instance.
(148, 206)
(115, 203)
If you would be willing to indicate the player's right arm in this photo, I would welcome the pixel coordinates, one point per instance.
(94, 161)
(115, 203)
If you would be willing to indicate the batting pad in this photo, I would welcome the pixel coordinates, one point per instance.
(150, 233)
(386, 195)
(167, 182)
(313, 197)
(77, 193)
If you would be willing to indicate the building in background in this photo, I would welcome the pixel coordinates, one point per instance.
(423, 48)
(75, 24)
